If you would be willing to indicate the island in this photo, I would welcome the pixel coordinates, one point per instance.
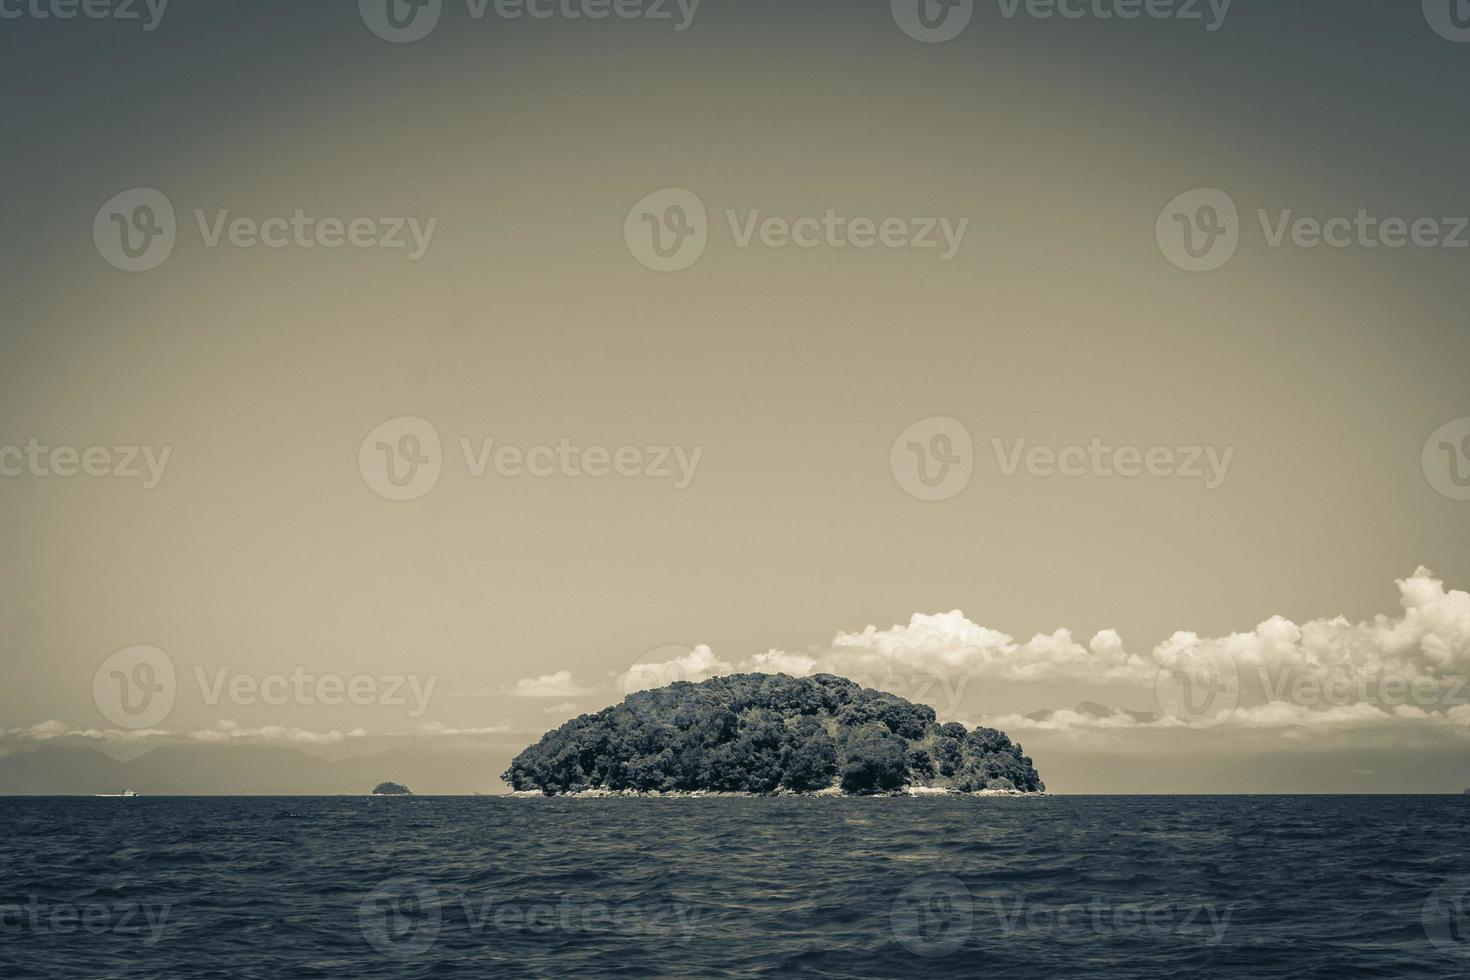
(391, 789)
(769, 734)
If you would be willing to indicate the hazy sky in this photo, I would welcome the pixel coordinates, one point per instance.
(773, 381)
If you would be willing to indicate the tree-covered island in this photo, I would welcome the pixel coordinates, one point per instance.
(391, 789)
(765, 733)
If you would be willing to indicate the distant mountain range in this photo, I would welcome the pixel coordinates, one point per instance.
(247, 770)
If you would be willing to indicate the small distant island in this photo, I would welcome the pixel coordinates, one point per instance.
(391, 789)
(766, 734)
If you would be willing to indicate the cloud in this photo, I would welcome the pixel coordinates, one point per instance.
(557, 685)
(1088, 716)
(1429, 642)
(951, 645)
(225, 732)
(566, 708)
(697, 663)
(1328, 673)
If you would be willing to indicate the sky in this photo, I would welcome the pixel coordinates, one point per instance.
(388, 302)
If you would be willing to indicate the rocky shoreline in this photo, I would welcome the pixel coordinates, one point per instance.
(831, 791)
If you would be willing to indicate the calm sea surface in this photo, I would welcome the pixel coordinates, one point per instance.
(1058, 888)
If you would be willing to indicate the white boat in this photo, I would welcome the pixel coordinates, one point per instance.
(126, 792)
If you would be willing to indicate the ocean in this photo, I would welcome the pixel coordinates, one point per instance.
(1059, 887)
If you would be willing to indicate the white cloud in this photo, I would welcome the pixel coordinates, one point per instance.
(557, 685)
(227, 732)
(692, 664)
(1431, 639)
(1428, 645)
(951, 645)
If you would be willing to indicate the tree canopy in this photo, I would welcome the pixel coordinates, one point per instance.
(391, 789)
(762, 733)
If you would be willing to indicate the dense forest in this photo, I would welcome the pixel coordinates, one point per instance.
(762, 733)
(391, 789)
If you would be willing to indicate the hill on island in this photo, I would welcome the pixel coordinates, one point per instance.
(761, 733)
(391, 789)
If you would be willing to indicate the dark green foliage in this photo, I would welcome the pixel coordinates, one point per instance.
(873, 759)
(809, 760)
(391, 789)
(763, 732)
